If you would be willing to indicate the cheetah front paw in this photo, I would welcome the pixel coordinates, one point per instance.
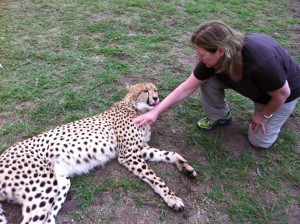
(185, 168)
(188, 170)
(175, 203)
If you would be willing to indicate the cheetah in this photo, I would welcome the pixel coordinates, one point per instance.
(36, 172)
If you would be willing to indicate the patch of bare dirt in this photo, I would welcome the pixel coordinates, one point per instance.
(295, 10)
(2, 121)
(96, 17)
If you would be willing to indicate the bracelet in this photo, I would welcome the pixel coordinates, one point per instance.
(267, 117)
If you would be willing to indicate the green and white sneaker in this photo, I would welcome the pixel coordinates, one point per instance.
(207, 124)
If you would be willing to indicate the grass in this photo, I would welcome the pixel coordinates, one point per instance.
(65, 60)
(86, 189)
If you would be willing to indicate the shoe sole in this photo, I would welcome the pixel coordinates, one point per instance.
(219, 122)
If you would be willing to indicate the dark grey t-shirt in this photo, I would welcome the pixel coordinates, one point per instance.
(266, 67)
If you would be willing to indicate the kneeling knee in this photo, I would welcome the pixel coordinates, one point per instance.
(261, 143)
(260, 140)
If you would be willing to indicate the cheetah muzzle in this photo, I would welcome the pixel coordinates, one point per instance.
(36, 172)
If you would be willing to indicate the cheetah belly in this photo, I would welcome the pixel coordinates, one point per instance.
(71, 168)
(75, 156)
(83, 161)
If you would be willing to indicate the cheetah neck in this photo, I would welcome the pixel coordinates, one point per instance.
(142, 107)
(137, 107)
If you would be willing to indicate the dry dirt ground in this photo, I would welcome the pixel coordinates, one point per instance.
(118, 207)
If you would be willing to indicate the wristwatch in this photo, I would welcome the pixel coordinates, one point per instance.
(267, 117)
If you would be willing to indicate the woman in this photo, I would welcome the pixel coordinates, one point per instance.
(254, 65)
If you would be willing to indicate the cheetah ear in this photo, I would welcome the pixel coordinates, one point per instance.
(128, 86)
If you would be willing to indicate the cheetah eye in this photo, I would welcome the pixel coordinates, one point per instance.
(145, 91)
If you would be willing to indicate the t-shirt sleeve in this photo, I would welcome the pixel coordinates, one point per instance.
(201, 72)
(272, 75)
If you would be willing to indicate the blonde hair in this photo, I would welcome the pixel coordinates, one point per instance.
(215, 34)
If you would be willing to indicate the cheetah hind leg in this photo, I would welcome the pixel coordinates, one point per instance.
(157, 155)
(63, 186)
(36, 204)
(2, 217)
(32, 213)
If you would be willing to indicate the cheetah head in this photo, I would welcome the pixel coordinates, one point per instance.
(144, 96)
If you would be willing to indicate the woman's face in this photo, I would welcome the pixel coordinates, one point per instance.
(208, 58)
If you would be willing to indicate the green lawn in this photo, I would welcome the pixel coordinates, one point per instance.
(63, 60)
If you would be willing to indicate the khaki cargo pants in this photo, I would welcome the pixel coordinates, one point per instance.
(214, 106)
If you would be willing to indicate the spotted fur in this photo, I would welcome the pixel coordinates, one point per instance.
(36, 172)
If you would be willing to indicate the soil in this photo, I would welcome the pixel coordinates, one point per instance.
(118, 207)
